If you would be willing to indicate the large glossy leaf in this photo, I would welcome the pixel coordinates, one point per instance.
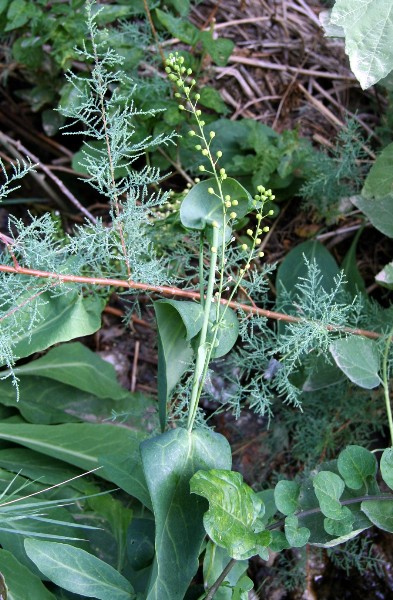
(20, 581)
(199, 208)
(357, 466)
(169, 461)
(62, 318)
(74, 364)
(178, 322)
(78, 571)
(88, 446)
(232, 519)
(368, 28)
(358, 358)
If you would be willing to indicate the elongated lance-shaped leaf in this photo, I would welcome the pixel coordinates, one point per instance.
(178, 322)
(232, 520)
(20, 580)
(87, 446)
(169, 462)
(78, 571)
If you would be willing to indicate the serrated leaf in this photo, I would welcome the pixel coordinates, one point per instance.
(387, 467)
(286, 495)
(357, 466)
(328, 488)
(358, 358)
(296, 536)
(20, 580)
(78, 571)
(199, 208)
(368, 27)
(232, 519)
(75, 365)
(178, 322)
(380, 512)
(169, 462)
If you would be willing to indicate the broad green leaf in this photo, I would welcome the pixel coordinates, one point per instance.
(87, 446)
(358, 358)
(385, 277)
(232, 519)
(227, 333)
(379, 181)
(357, 466)
(211, 98)
(379, 211)
(296, 536)
(38, 467)
(48, 402)
(78, 571)
(286, 496)
(199, 208)
(22, 584)
(214, 562)
(62, 318)
(380, 512)
(328, 488)
(323, 374)
(387, 467)
(169, 462)
(178, 322)
(368, 27)
(219, 49)
(140, 542)
(74, 364)
(180, 28)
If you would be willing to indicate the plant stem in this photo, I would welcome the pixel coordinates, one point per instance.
(201, 286)
(214, 588)
(385, 381)
(202, 350)
(174, 291)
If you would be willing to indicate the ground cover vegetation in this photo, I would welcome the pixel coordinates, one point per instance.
(107, 492)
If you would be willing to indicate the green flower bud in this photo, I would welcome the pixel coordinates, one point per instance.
(244, 247)
(258, 241)
(219, 154)
(266, 229)
(191, 133)
(249, 232)
(198, 147)
(201, 168)
(177, 95)
(261, 254)
(205, 152)
(210, 190)
(189, 71)
(197, 96)
(227, 197)
(212, 134)
(213, 250)
(235, 202)
(181, 107)
(198, 113)
(270, 213)
(233, 215)
(168, 69)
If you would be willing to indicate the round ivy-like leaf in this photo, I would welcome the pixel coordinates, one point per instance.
(357, 466)
(199, 208)
(387, 467)
(286, 494)
(228, 330)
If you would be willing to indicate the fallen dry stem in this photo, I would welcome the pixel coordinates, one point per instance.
(173, 291)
